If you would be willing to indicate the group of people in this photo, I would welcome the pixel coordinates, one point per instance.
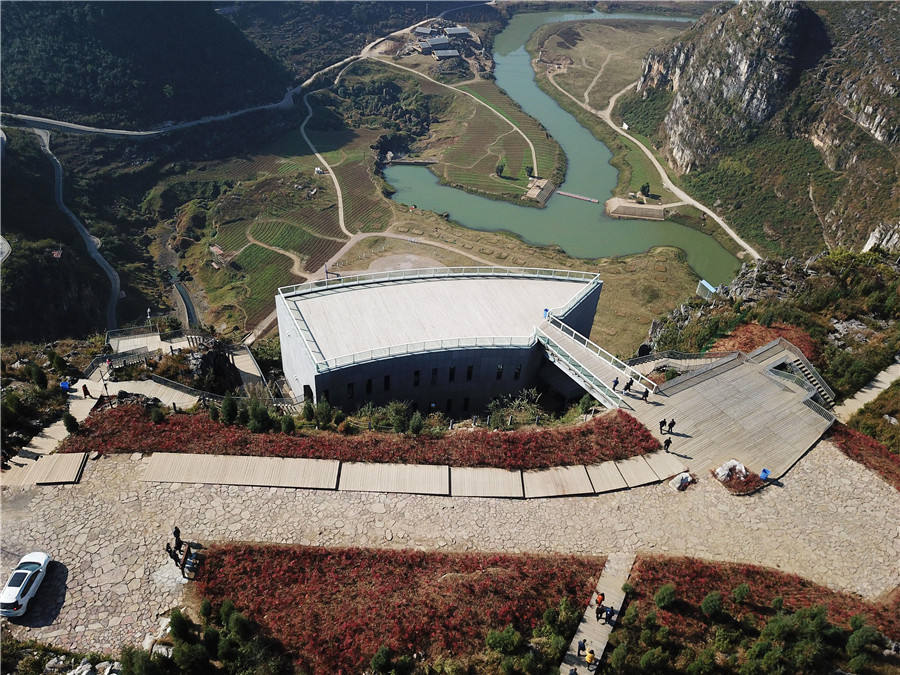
(627, 388)
(663, 426)
(601, 612)
(173, 552)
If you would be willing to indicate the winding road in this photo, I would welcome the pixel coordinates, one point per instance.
(115, 286)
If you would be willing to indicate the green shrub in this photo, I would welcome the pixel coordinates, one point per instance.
(654, 660)
(59, 363)
(228, 649)
(861, 638)
(740, 592)
(157, 416)
(214, 413)
(619, 657)
(225, 612)
(323, 414)
(857, 621)
(180, 626)
(138, 662)
(627, 588)
(339, 416)
(70, 423)
(243, 416)
(858, 663)
(632, 615)
(665, 597)
(229, 410)
(506, 641)
(38, 376)
(671, 374)
(416, 423)
(309, 413)
(704, 663)
(191, 658)
(711, 605)
(381, 662)
(206, 610)
(287, 425)
(778, 603)
(240, 626)
(211, 641)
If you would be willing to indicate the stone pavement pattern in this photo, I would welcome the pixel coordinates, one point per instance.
(833, 522)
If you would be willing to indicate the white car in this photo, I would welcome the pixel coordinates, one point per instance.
(23, 584)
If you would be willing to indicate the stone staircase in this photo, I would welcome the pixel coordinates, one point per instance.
(780, 352)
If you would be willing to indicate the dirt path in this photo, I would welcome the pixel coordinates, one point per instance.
(599, 74)
(296, 269)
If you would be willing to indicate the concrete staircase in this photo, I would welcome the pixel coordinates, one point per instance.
(596, 633)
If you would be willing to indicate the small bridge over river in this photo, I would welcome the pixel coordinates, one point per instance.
(765, 409)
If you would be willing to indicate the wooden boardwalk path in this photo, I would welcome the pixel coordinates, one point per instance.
(596, 633)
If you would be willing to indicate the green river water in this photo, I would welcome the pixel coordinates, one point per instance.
(580, 228)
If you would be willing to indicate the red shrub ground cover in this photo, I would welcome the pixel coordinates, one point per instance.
(693, 579)
(129, 429)
(749, 336)
(333, 608)
(867, 451)
(736, 486)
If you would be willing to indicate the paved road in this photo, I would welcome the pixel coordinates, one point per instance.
(833, 522)
(115, 286)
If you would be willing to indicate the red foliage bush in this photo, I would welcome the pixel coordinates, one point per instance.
(333, 608)
(129, 429)
(693, 579)
(868, 452)
(738, 486)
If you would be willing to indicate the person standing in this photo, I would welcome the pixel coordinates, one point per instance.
(671, 425)
(582, 645)
(85, 391)
(609, 614)
(667, 444)
(662, 425)
(178, 543)
(627, 387)
(589, 658)
(599, 611)
(645, 395)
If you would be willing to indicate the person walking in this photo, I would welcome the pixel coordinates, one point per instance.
(599, 612)
(86, 391)
(628, 384)
(589, 658)
(615, 383)
(582, 645)
(645, 395)
(609, 614)
(667, 444)
(178, 543)
(671, 425)
(662, 425)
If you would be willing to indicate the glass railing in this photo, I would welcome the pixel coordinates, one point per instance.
(436, 273)
(610, 397)
(423, 347)
(597, 350)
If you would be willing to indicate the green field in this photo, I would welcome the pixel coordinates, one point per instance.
(264, 272)
(550, 158)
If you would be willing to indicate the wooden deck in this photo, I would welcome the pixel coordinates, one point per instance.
(55, 469)
(485, 482)
(419, 479)
(168, 467)
(606, 477)
(636, 471)
(560, 481)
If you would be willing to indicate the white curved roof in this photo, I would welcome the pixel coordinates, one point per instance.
(380, 311)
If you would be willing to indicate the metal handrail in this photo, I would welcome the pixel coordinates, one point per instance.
(670, 354)
(103, 358)
(422, 348)
(612, 397)
(596, 349)
(800, 357)
(436, 273)
(134, 330)
(816, 408)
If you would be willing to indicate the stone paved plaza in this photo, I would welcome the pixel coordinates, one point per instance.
(833, 522)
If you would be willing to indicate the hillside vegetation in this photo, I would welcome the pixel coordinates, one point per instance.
(785, 118)
(50, 287)
(130, 64)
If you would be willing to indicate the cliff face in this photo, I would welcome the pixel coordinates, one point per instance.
(790, 72)
(730, 74)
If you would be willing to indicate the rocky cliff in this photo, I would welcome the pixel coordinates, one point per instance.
(750, 83)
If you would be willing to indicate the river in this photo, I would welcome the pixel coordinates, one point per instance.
(581, 229)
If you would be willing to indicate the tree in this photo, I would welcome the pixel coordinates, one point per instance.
(500, 167)
(70, 423)
(712, 604)
(416, 423)
(309, 412)
(59, 363)
(324, 414)
(645, 189)
(229, 410)
(665, 597)
(38, 376)
(287, 424)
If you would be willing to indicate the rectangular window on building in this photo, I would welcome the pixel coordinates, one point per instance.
(452, 373)
(469, 371)
(387, 382)
(349, 390)
(517, 372)
(434, 376)
(466, 404)
(416, 378)
(500, 372)
(449, 405)
(369, 386)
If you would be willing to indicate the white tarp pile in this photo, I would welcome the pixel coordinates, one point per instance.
(681, 481)
(731, 469)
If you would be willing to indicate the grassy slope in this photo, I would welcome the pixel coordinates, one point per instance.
(71, 292)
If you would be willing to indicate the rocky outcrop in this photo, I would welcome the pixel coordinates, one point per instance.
(731, 73)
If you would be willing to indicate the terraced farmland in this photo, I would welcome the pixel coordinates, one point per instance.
(291, 237)
(549, 154)
(264, 272)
